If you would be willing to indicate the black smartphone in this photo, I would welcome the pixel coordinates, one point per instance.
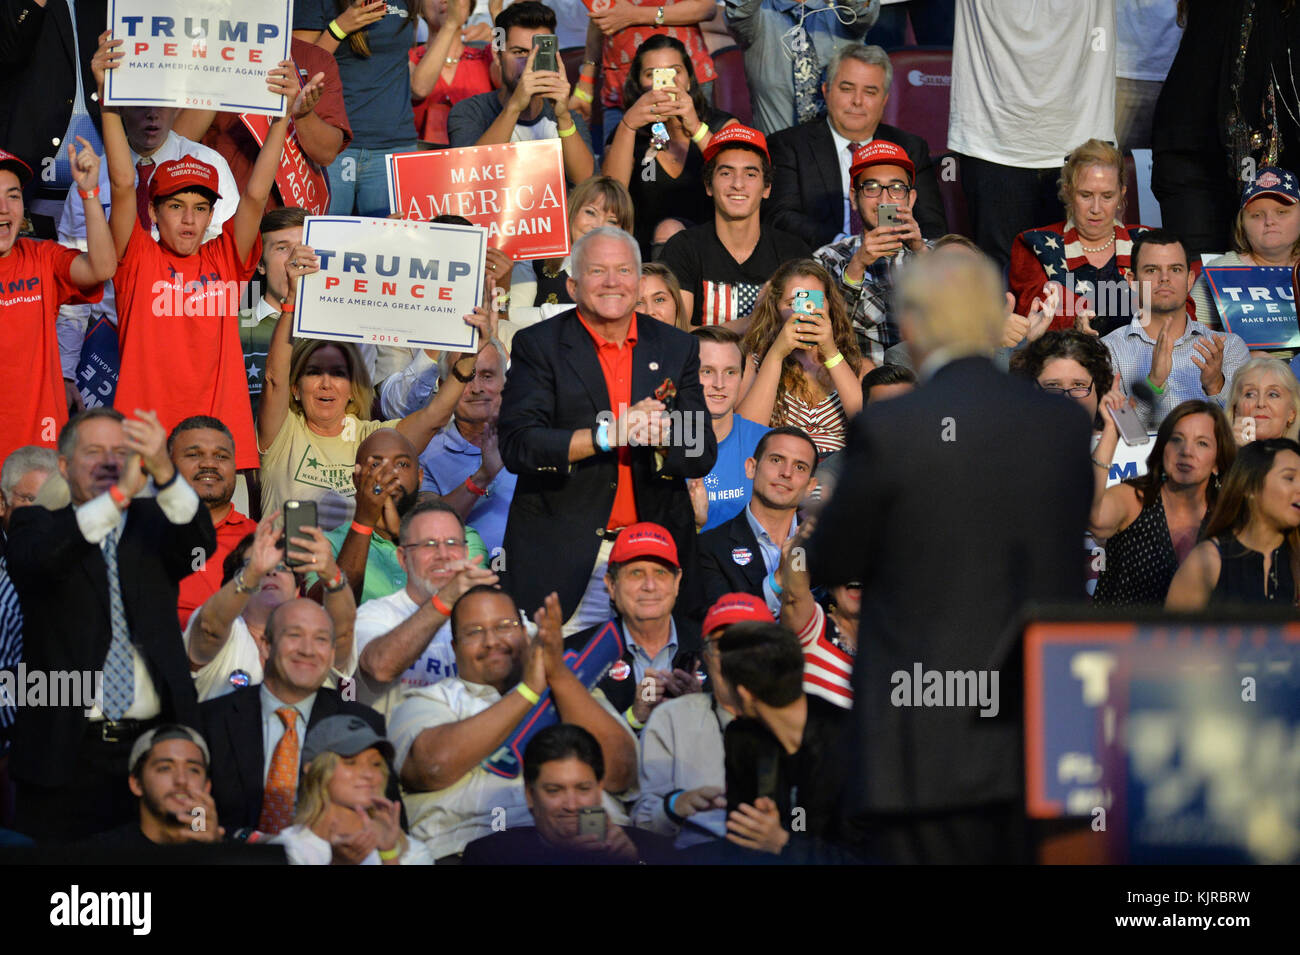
(297, 515)
(547, 47)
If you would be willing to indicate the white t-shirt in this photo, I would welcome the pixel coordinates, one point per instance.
(304, 847)
(1031, 79)
(1146, 39)
(450, 819)
(438, 661)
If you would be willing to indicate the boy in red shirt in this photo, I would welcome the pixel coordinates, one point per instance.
(178, 298)
(37, 277)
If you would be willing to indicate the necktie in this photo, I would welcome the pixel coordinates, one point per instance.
(143, 173)
(808, 102)
(855, 220)
(119, 665)
(281, 790)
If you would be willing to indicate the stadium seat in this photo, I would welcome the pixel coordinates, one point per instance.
(731, 88)
(918, 98)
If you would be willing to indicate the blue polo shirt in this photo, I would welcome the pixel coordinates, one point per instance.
(728, 487)
(447, 462)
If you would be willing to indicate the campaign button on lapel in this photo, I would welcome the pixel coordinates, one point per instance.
(742, 555)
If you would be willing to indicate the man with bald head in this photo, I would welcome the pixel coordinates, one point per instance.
(256, 733)
(975, 486)
(387, 479)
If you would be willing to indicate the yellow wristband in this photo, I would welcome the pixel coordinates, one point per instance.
(699, 134)
(565, 133)
(388, 855)
(527, 693)
(336, 31)
(851, 283)
(839, 357)
(582, 95)
(632, 721)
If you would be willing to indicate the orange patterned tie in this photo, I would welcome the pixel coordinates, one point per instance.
(281, 788)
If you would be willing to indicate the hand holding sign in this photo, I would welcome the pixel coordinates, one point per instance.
(302, 261)
(1210, 350)
(107, 57)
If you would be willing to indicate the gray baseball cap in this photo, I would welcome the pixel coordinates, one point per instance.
(345, 735)
(165, 732)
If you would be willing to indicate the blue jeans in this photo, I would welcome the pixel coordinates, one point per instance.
(359, 181)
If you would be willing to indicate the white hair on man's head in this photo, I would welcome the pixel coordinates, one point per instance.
(578, 254)
(871, 55)
(23, 461)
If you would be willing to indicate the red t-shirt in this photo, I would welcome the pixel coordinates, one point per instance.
(616, 58)
(178, 333)
(229, 136)
(616, 365)
(473, 75)
(35, 279)
(202, 584)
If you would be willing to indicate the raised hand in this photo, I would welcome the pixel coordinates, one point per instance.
(107, 57)
(302, 261)
(85, 166)
(146, 437)
(308, 96)
(1209, 358)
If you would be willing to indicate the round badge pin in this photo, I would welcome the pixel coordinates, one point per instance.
(239, 678)
(620, 671)
(742, 555)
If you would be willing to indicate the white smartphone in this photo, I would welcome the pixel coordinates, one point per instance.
(1130, 426)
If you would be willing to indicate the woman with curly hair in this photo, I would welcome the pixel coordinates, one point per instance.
(809, 367)
(1068, 363)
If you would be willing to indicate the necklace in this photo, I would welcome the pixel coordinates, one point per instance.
(1101, 248)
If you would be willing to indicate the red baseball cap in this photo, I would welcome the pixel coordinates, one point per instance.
(19, 168)
(881, 152)
(179, 175)
(737, 136)
(734, 608)
(644, 540)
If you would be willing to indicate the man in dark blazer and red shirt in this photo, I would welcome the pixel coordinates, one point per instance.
(98, 580)
(603, 419)
(810, 162)
(961, 503)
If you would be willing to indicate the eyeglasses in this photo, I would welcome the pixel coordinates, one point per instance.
(502, 628)
(1081, 391)
(450, 543)
(896, 190)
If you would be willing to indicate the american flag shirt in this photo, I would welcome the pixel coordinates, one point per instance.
(869, 305)
(727, 301)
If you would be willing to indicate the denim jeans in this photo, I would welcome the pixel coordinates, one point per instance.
(359, 181)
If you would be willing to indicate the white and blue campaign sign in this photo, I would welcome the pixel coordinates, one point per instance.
(97, 368)
(207, 54)
(1257, 303)
(392, 282)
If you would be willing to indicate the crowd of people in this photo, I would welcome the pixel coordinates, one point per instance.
(626, 583)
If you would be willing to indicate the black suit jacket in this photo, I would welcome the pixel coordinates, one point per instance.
(38, 73)
(232, 725)
(722, 573)
(558, 511)
(960, 503)
(808, 194)
(622, 693)
(62, 582)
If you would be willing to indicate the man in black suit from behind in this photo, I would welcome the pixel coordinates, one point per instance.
(741, 555)
(810, 162)
(960, 503)
(249, 729)
(87, 608)
(589, 461)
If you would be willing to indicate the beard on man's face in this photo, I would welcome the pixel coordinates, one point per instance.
(407, 501)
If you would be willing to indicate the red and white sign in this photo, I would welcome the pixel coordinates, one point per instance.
(514, 190)
(301, 182)
(209, 54)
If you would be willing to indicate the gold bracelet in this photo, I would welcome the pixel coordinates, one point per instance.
(336, 31)
(527, 693)
(839, 357)
(699, 134)
(582, 94)
(565, 133)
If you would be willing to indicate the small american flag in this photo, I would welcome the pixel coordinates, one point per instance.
(725, 302)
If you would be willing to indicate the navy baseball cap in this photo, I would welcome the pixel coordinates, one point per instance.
(1275, 182)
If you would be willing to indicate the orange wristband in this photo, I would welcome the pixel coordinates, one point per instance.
(439, 606)
(362, 529)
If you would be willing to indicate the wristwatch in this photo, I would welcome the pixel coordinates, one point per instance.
(659, 17)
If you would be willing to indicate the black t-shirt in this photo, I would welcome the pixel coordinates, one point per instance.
(809, 779)
(524, 846)
(725, 289)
